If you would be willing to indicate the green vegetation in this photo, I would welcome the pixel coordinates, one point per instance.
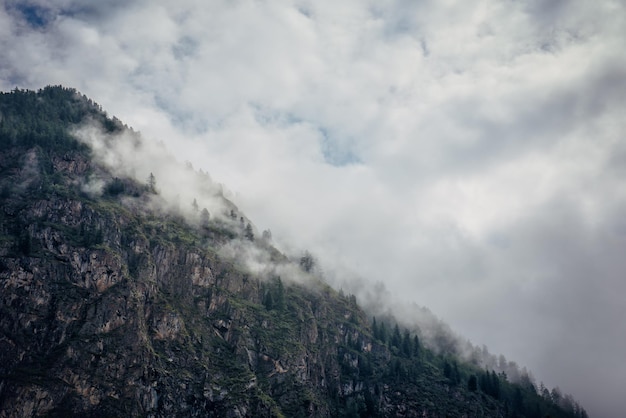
(42, 118)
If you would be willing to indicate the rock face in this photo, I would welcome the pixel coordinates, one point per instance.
(136, 326)
(108, 309)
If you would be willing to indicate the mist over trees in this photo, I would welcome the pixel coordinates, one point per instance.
(500, 380)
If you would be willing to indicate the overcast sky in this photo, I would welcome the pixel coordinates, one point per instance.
(469, 155)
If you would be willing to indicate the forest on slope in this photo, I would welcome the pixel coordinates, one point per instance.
(120, 301)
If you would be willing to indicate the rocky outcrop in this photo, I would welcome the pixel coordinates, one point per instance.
(126, 324)
(129, 324)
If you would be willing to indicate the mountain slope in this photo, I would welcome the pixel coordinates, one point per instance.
(116, 303)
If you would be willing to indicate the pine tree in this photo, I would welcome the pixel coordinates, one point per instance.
(447, 369)
(456, 376)
(249, 234)
(307, 262)
(204, 218)
(268, 300)
(383, 333)
(472, 383)
(375, 331)
(416, 346)
(495, 385)
(152, 184)
(396, 339)
(406, 344)
(279, 301)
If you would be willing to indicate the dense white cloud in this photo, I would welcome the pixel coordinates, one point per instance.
(470, 155)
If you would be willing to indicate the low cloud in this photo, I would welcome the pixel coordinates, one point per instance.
(178, 185)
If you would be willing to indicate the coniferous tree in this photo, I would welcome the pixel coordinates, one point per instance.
(249, 234)
(383, 333)
(152, 184)
(455, 374)
(518, 400)
(447, 370)
(307, 262)
(268, 300)
(416, 346)
(406, 344)
(472, 383)
(483, 382)
(279, 301)
(375, 331)
(556, 395)
(115, 188)
(204, 217)
(495, 385)
(396, 339)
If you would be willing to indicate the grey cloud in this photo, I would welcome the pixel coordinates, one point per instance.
(484, 177)
(576, 266)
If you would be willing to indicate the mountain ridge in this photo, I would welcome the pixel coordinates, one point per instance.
(114, 304)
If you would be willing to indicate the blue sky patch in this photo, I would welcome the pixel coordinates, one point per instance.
(336, 153)
(36, 16)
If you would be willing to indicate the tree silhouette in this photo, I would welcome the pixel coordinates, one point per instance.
(307, 262)
(472, 383)
(249, 234)
(152, 184)
(204, 218)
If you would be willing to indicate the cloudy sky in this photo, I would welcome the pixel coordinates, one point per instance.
(469, 155)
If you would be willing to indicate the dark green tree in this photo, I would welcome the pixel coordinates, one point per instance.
(416, 346)
(407, 347)
(396, 339)
(115, 188)
(268, 300)
(447, 369)
(279, 300)
(518, 400)
(152, 184)
(456, 375)
(249, 234)
(307, 262)
(204, 218)
(495, 385)
(484, 382)
(375, 331)
(382, 333)
(472, 383)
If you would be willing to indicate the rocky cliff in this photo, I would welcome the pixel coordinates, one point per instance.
(110, 307)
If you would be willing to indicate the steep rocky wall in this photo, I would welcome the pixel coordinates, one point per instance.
(135, 325)
(139, 325)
